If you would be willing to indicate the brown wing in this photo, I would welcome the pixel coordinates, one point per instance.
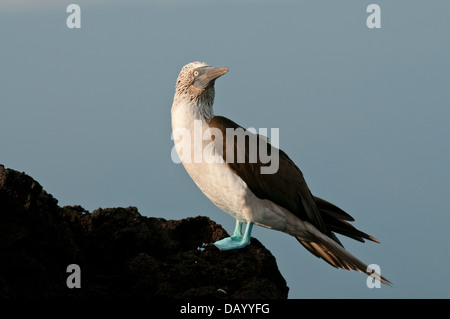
(286, 187)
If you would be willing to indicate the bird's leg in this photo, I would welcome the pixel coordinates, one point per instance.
(237, 236)
(237, 240)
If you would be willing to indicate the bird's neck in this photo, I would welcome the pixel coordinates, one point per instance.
(189, 122)
(185, 110)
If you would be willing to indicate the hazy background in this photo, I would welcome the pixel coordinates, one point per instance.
(364, 113)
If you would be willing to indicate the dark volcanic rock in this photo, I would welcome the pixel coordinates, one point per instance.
(121, 254)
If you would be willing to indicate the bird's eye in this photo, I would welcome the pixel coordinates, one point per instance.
(195, 73)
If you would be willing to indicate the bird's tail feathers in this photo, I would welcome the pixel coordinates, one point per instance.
(338, 220)
(330, 251)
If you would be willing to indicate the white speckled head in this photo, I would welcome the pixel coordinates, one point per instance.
(195, 86)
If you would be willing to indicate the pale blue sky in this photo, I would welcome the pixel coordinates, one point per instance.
(364, 113)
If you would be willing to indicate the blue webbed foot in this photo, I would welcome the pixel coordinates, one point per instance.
(230, 243)
(237, 240)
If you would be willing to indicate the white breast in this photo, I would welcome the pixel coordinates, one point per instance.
(224, 188)
(220, 184)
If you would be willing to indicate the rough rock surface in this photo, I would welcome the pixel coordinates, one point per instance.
(121, 254)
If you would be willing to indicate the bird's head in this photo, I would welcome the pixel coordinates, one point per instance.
(196, 82)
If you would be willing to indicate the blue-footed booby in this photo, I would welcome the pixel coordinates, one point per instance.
(221, 165)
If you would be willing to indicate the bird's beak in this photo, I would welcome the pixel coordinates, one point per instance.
(208, 75)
